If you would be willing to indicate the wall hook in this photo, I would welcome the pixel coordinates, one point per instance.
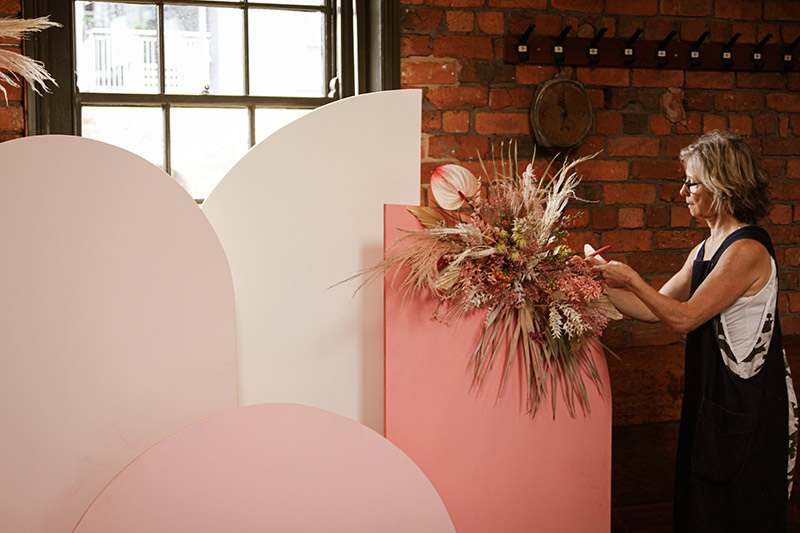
(694, 51)
(522, 46)
(758, 57)
(594, 55)
(558, 46)
(661, 53)
(788, 57)
(627, 51)
(727, 55)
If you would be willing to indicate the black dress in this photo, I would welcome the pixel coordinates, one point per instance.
(731, 471)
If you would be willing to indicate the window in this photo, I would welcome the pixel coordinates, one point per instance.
(192, 85)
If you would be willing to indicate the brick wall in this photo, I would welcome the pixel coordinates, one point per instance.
(12, 116)
(453, 50)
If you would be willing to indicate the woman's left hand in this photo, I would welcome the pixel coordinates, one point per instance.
(617, 275)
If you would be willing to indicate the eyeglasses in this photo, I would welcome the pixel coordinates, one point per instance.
(688, 184)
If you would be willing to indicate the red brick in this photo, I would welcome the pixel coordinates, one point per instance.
(783, 235)
(460, 21)
(603, 170)
(790, 324)
(686, 8)
(628, 240)
(416, 20)
(794, 124)
(456, 3)
(591, 145)
(738, 9)
(760, 80)
(790, 32)
(656, 262)
(626, 7)
(484, 72)
(773, 167)
(792, 257)
(629, 194)
(576, 239)
(414, 45)
(502, 123)
(707, 79)
(793, 169)
(414, 72)
(631, 217)
(653, 335)
(412, 2)
(788, 147)
(604, 218)
(13, 94)
(679, 217)
(614, 77)
(698, 101)
(657, 78)
(783, 126)
(534, 74)
(548, 24)
(796, 214)
(784, 103)
(784, 10)
(671, 146)
(458, 147)
(741, 124)
(660, 125)
(515, 98)
(660, 170)
(608, 123)
(657, 217)
(793, 81)
(781, 214)
(12, 119)
(764, 124)
(443, 97)
(693, 125)
(491, 22)
(578, 218)
(592, 6)
(785, 191)
(747, 30)
(431, 120)
(633, 146)
(455, 121)
(677, 239)
(671, 192)
(463, 46)
(713, 122)
(519, 4)
(794, 302)
(739, 101)
(10, 7)
(597, 98)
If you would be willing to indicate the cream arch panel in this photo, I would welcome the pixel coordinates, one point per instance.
(116, 322)
(300, 212)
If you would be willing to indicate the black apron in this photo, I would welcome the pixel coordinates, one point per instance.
(733, 443)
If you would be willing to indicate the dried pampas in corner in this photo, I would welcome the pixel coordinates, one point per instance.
(15, 66)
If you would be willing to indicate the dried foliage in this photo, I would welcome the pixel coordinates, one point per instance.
(15, 67)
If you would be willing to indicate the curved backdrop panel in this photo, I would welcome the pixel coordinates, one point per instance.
(117, 322)
(270, 467)
(300, 212)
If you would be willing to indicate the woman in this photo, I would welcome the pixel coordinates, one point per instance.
(735, 457)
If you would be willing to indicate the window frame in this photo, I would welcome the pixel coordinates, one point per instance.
(365, 57)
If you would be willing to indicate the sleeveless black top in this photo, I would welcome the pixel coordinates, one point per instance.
(732, 448)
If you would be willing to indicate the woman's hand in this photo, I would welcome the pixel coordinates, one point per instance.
(615, 274)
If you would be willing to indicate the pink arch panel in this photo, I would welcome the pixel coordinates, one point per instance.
(116, 322)
(494, 467)
(270, 467)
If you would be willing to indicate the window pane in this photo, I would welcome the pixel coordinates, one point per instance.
(286, 53)
(268, 121)
(205, 144)
(204, 50)
(137, 129)
(116, 47)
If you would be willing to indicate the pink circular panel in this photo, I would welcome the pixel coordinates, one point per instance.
(270, 467)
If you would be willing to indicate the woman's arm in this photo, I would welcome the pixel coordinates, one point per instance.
(629, 304)
(741, 267)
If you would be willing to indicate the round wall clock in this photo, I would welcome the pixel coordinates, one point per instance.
(561, 113)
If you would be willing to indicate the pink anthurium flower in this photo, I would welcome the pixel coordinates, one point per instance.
(452, 185)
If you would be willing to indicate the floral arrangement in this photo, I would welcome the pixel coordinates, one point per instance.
(507, 252)
(15, 66)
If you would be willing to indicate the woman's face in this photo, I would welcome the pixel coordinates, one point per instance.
(697, 197)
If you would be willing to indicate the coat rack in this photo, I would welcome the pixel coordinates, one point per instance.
(635, 53)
